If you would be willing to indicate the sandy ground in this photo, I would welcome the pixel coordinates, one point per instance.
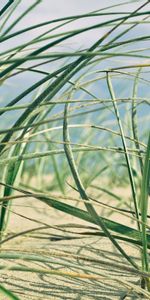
(62, 254)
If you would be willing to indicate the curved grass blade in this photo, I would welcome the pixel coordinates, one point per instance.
(145, 185)
(2, 39)
(9, 14)
(81, 214)
(35, 86)
(75, 67)
(11, 172)
(134, 120)
(7, 293)
(51, 44)
(91, 210)
(17, 20)
(6, 6)
(111, 91)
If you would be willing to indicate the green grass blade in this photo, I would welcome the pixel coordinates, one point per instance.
(35, 86)
(6, 6)
(134, 119)
(11, 173)
(91, 210)
(17, 20)
(7, 293)
(145, 185)
(134, 194)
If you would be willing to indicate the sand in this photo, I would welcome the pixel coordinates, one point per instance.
(68, 255)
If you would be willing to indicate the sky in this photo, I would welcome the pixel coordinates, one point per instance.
(50, 9)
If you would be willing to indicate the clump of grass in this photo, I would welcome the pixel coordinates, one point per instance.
(80, 122)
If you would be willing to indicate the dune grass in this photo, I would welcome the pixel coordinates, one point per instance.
(79, 117)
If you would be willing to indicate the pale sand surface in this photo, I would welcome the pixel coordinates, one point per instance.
(46, 286)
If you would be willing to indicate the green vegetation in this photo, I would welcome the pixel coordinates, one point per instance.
(75, 136)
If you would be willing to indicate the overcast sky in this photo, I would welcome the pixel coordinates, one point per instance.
(50, 9)
(59, 8)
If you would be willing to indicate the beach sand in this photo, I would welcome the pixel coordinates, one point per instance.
(80, 257)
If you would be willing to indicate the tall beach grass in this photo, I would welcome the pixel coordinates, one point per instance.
(75, 125)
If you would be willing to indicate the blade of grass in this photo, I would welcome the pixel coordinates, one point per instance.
(111, 91)
(11, 173)
(91, 210)
(63, 79)
(81, 214)
(6, 6)
(7, 293)
(17, 20)
(144, 205)
(10, 13)
(134, 119)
